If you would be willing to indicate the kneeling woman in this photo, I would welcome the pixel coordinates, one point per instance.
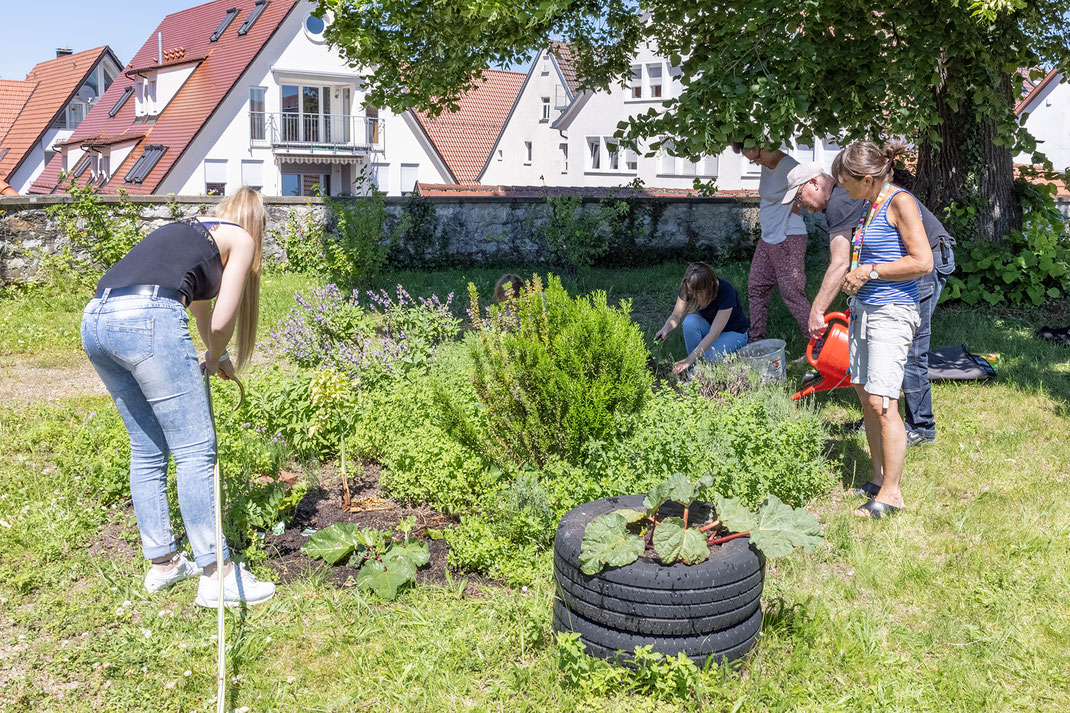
(714, 322)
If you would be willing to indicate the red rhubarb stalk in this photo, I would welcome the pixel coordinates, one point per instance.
(713, 525)
(727, 538)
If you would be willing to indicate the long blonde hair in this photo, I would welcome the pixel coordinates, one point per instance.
(866, 158)
(246, 208)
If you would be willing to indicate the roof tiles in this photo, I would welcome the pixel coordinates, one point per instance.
(563, 52)
(465, 138)
(225, 61)
(55, 82)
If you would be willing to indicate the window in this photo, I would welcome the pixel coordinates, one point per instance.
(612, 154)
(667, 162)
(710, 166)
(688, 167)
(637, 81)
(108, 74)
(380, 177)
(145, 163)
(546, 109)
(499, 154)
(215, 177)
(527, 153)
(372, 118)
(291, 184)
(306, 184)
(257, 115)
(127, 91)
(676, 80)
(631, 160)
(409, 174)
(560, 97)
(150, 96)
(653, 77)
(594, 153)
(804, 153)
(545, 64)
(564, 157)
(227, 19)
(252, 174)
(82, 166)
(314, 27)
(258, 10)
(104, 166)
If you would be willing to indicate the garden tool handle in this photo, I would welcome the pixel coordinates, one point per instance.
(844, 316)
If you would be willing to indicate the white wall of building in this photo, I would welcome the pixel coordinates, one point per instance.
(1047, 122)
(587, 128)
(296, 57)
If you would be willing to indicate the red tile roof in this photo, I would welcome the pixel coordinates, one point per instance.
(1035, 91)
(479, 191)
(464, 138)
(563, 52)
(225, 61)
(13, 96)
(55, 81)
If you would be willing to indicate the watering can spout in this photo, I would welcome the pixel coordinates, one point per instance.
(833, 359)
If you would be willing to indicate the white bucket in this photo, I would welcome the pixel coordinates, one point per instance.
(766, 356)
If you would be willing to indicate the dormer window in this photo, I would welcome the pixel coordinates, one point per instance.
(145, 96)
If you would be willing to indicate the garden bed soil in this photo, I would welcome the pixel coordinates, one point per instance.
(322, 507)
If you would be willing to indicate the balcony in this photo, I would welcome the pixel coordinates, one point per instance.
(338, 134)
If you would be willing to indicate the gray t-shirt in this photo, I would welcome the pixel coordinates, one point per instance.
(843, 213)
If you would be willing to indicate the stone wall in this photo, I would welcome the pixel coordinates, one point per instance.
(431, 231)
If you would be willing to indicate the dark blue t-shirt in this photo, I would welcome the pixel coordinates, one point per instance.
(727, 298)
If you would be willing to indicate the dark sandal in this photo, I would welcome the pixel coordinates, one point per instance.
(867, 490)
(876, 509)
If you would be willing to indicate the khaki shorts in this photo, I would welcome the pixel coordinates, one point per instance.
(879, 337)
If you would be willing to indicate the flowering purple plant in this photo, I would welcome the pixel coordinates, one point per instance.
(385, 338)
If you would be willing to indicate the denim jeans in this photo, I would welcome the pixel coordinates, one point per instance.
(696, 328)
(142, 350)
(917, 394)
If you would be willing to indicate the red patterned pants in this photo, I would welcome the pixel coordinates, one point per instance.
(782, 265)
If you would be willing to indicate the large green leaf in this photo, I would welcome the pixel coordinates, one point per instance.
(631, 516)
(383, 579)
(782, 528)
(672, 542)
(335, 543)
(734, 515)
(606, 541)
(676, 487)
(411, 551)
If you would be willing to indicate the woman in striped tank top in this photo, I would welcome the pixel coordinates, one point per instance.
(890, 252)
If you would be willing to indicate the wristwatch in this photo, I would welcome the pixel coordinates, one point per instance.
(873, 272)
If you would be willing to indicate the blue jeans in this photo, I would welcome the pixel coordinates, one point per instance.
(695, 330)
(917, 393)
(142, 350)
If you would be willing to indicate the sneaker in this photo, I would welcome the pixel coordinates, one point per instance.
(239, 587)
(858, 426)
(917, 439)
(155, 580)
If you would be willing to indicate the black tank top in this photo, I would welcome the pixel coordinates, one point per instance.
(181, 255)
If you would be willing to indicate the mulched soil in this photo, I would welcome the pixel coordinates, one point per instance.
(322, 507)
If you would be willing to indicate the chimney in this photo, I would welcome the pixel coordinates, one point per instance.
(64, 51)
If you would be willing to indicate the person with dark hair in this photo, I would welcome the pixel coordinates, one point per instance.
(508, 286)
(889, 254)
(780, 255)
(814, 190)
(713, 319)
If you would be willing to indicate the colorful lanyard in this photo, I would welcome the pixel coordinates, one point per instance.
(864, 222)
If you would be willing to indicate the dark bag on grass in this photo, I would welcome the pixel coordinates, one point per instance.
(957, 364)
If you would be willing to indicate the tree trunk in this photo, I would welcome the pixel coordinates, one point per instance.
(968, 169)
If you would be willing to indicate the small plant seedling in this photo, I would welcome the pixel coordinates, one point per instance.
(619, 538)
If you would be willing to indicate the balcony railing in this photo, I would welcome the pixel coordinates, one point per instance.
(335, 132)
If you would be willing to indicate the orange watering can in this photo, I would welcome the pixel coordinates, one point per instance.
(833, 360)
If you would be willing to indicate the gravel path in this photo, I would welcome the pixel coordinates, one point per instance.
(23, 383)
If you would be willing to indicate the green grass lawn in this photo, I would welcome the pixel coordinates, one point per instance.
(959, 604)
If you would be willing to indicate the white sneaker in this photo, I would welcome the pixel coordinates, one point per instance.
(155, 580)
(239, 587)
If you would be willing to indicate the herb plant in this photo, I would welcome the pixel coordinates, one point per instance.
(387, 563)
(619, 538)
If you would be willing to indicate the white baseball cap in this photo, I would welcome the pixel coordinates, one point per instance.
(799, 176)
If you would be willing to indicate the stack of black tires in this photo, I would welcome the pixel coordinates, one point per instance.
(712, 609)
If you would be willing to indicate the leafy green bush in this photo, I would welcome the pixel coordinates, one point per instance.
(302, 240)
(553, 373)
(357, 253)
(1028, 267)
(103, 231)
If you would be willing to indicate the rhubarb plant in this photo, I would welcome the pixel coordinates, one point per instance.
(388, 562)
(619, 538)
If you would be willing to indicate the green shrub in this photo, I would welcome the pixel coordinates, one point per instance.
(103, 231)
(357, 253)
(1028, 267)
(553, 373)
(302, 240)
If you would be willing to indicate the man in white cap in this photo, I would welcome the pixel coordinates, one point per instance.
(813, 190)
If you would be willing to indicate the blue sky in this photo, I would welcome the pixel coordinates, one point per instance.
(34, 29)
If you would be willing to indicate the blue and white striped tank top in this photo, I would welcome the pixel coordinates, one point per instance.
(882, 244)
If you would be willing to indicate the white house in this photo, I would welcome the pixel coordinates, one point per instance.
(1044, 112)
(45, 108)
(246, 92)
(557, 135)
